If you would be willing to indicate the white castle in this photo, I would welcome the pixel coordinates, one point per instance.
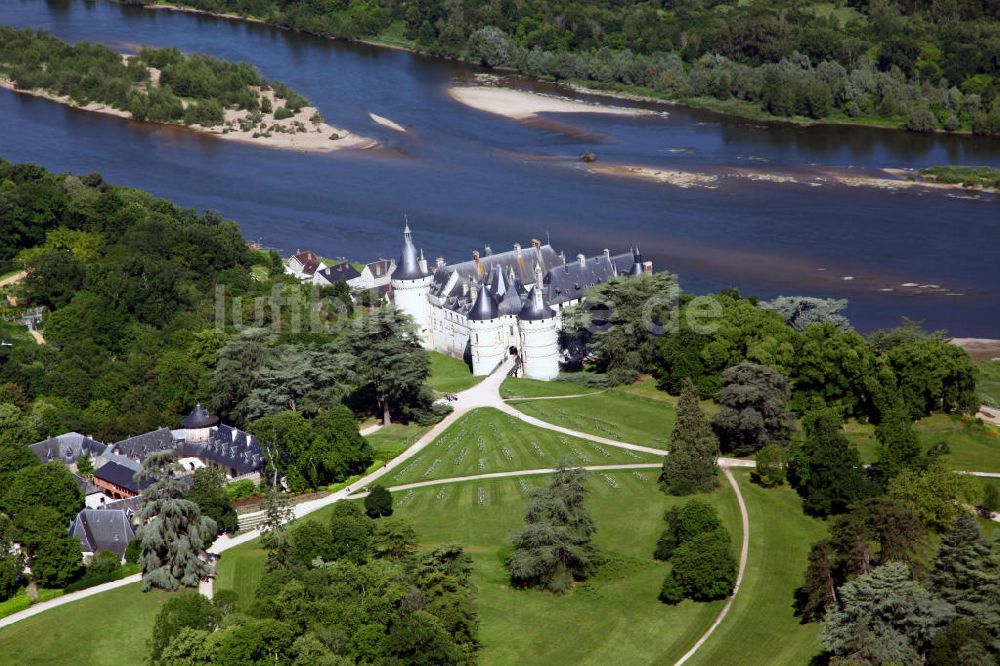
(503, 304)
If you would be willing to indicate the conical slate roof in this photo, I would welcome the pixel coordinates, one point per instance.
(199, 418)
(408, 266)
(637, 266)
(485, 307)
(535, 309)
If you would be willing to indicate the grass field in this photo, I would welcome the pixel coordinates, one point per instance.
(487, 440)
(973, 447)
(108, 629)
(761, 628)
(989, 383)
(392, 440)
(532, 388)
(450, 375)
(615, 414)
(614, 618)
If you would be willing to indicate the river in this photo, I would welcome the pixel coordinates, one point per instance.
(466, 179)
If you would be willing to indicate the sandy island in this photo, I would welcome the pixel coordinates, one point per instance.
(522, 105)
(297, 132)
(385, 122)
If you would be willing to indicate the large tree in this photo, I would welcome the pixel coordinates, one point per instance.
(827, 470)
(702, 569)
(935, 495)
(188, 610)
(347, 451)
(173, 532)
(752, 410)
(554, 549)
(386, 347)
(685, 522)
(934, 375)
(16, 428)
(691, 465)
(800, 311)
(208, 491)
(51, 484)
(307, 459)
(884, 617)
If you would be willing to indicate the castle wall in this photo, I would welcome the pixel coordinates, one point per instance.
(540, 349)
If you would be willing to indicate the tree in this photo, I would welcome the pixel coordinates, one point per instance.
(208, 491)
(295, 439)
(390, 358)
(14, 458)
(490, 46)
(963, 642)
(554, 548)
(770, 468)
(378, 503)
(54, 276)
(934, 375)
(347, 451)
(691, 465)
(752, 410)
(274, 532)
(49, 485)
(966, 574)
(173, 533)
(84, 466)
(351, 533)
(884, 617)
(800, 311)
(16, 429)
(189, 610)
(685, 522)
(936, 495)
(702, 569)
(827, 468)
(11, 565)
(56, 561)
(899, 446)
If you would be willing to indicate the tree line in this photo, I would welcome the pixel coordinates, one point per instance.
(186, 89)
(923, 65)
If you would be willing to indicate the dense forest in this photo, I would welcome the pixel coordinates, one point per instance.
(162, 85)
(922, 65)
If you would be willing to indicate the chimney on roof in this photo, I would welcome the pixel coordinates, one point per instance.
(607, 254)
(488, 250)
(536, 243)
(439, 262)
(475, 256)
(582, 260)
(423, 262)
(517, 250)
(465, 289)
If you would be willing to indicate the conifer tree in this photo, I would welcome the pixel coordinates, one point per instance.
(174, 534)
(694, 448)
(967, 575)
(274, 532)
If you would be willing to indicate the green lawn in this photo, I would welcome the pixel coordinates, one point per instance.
(395, 438)
(614, 618)
(989, 383)
(973, 447)
(532, 388)
(761, 627)
(109, 629)
(487, 440)
(616, 414)
(240, 569)
(450, 375)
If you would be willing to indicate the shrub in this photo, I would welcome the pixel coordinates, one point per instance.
(282, 112)
(242, 489)
(685, 522)
(772, 467)
(104, 562)
(703, 569)
(132, 551)
(379, 502)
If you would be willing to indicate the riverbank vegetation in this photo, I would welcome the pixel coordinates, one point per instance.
(967, 176)
(922, 66)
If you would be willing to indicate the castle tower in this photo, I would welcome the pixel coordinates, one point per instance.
(537, 324)
(411, 286)
(486, 338)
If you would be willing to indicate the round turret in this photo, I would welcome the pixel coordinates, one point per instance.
(486, 340)
(539, 329)
(411, 287)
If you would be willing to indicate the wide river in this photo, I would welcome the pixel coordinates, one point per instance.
(467, 179)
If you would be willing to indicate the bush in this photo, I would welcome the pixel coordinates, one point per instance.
(704, 569)
(685, 522)
(772, 467)
(282, 112)
(242, 489)
(379, 502)
(104, 562)
(133, 551)
(92, 579)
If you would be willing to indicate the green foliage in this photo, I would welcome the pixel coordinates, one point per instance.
(936, 495)
(173, 533)
(691, 465)
(826, 470)
(84, 466)
(934, 375)
(702, 569)
(554, 549)
(190, 610)
(752, 414)
(685, 522)
(771, 468)
(351, 533)
(209, 493)
(379, 502)
(242, 489)
(50, 485)
(884, 617)
(133, 551)
(979, 176)
(16, 429)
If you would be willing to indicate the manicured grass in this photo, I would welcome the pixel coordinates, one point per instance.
(487, 440)
(613, 618)
(450, 375)
(532, 388)
(761, 627)
(392, 440)
(21, 601)
(974, 447)
(107, 629)
(989, 383)
(240, 569)
(615, 414)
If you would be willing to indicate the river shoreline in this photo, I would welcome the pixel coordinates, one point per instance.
(578, 86)
(317, 140)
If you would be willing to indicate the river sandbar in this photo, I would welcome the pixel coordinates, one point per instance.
(522, 105)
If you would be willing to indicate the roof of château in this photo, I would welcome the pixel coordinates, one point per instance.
(199, 418)
(343, 271)
(67, 448)
(102, 529)
(408, 266)
(572, 280)
(486, 306)
(121, 476)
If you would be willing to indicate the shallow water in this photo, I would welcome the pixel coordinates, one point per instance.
(467, 179)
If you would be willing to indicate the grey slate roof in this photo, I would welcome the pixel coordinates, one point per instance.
(199, 418)
(571, 281)
(102, 529)
(408, 266)
(486, 306)
(67, 448)
(140, 446)
(122, 476)
(342, 271)
(227, 447)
